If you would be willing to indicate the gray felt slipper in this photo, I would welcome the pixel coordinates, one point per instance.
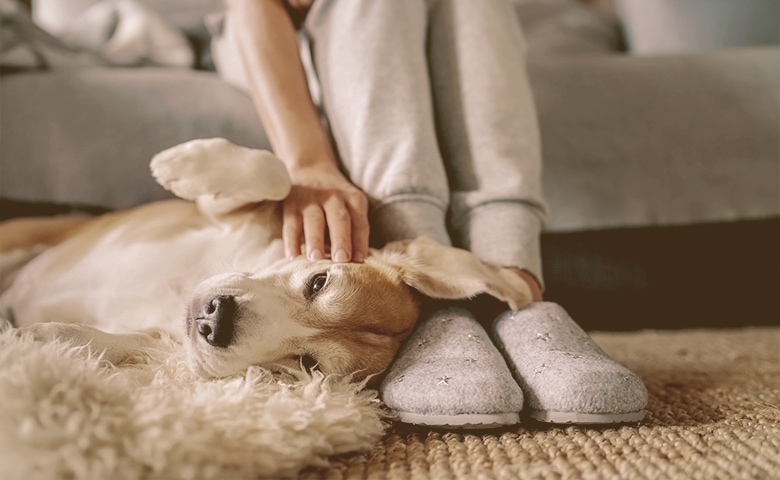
(449, 374)
(565, 376)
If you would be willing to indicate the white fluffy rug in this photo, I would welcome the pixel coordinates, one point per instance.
(64, 414)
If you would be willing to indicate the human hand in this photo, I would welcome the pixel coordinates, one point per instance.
(322, 201)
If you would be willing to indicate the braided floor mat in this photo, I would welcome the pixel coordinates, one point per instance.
(713, 413)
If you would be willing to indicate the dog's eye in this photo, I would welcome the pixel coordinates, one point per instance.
(308, 362)
(315, 284)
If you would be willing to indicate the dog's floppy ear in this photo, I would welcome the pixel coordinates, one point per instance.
(439, 271)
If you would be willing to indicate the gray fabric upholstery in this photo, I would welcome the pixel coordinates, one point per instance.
(627, 141)
(631, 141)
(86, 136)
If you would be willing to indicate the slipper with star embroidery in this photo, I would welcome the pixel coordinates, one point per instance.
(564, 375)
(450, 375)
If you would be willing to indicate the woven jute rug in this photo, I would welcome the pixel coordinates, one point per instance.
(713, 413)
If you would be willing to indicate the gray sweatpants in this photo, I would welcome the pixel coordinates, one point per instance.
(430, 110)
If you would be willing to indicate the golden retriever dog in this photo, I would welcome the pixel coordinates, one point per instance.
(210, 269)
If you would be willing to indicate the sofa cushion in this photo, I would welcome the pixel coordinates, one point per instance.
(674, 26)
(86, 136)
(627, 141)
(646, 141)
(567, 27)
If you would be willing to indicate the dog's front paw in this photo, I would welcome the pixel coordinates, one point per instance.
(49, 332)
(112, 347)
(219, 169)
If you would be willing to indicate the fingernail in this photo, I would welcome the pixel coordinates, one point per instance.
(358, 257)
(316, 255)
(341, 256)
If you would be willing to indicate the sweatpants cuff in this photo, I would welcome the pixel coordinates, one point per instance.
(404, 219)
(503, 233)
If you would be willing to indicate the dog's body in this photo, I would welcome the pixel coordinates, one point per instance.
(217, 261)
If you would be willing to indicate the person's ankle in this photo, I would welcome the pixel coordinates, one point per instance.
(532, 281)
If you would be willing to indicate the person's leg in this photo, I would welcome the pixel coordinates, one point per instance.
(565, 376)
(371, 68)
(490, 142)
(488, 130)
(384, 133)
(449, 374)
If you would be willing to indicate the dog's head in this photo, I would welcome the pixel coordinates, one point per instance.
(343, 318)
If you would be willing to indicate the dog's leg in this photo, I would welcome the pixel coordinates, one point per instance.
(219, 175)
(115, 348)
(5, 323)
(22, 233)
(22, 239)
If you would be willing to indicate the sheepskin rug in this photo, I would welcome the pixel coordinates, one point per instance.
(64, 413)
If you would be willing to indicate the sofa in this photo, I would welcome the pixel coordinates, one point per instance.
(662, 172)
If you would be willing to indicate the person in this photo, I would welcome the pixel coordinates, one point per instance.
(401, 118)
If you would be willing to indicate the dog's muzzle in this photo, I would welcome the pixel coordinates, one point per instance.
(216, 319)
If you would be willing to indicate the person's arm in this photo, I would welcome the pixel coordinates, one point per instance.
(321, 195)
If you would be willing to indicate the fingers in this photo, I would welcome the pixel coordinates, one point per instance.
(292, 230)
(358, 208)
(308, 214)
(349, 228)
(307, 222)
(314, 232)
(340, 229)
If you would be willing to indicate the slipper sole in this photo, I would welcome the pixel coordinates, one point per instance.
(586, 418)
(468, 421)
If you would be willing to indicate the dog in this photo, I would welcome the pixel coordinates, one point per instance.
(209, 269)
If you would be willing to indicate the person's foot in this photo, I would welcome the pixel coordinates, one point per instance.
(565, 376)
(449, 374)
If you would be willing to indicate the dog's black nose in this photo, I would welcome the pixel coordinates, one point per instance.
(216, 321)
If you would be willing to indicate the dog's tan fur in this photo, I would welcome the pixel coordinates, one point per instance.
(106, 281)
